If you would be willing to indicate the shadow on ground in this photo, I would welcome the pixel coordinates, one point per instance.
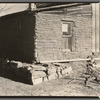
(14, 75)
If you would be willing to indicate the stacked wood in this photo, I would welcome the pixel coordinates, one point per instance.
(34, 73)
(51, 72)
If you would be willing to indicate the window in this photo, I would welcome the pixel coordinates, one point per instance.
(65, 29)
(67, 36)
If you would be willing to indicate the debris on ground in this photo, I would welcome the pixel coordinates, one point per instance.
(34, 73)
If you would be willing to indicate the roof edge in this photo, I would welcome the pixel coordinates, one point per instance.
(58, 6)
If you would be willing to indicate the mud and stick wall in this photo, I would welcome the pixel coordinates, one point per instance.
(49, 36)
(17, 37)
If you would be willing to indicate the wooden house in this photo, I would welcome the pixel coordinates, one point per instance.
(50, 31)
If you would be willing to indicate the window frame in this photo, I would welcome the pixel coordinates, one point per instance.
(68, 36)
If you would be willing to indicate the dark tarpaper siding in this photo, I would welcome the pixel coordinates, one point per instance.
(17, 37)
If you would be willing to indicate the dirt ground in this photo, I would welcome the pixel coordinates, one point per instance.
(59, 87)
(72, 85)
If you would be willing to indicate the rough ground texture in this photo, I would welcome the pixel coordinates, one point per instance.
(72, 85)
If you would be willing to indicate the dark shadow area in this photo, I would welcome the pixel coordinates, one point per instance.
(12, 76)
(17, 32)
(15, 74)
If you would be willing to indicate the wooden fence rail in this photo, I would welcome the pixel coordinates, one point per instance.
(69, 60)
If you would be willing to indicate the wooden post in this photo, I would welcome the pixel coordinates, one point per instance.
(97, 27)
(93, 27)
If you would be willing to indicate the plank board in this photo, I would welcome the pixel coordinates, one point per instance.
(97, 27)
(93, 27)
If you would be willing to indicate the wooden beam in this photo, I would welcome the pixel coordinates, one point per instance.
(96, 58)
(69, 60)
(97, 27)
(93, 27)
(59, 6)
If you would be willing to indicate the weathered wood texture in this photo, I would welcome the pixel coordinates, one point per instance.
(59, 6)
(93, 27)
(96, 27)
(69, 60)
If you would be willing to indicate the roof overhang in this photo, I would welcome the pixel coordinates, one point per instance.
(59, 6)
(11, 8)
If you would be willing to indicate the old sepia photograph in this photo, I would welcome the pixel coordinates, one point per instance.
(50, 49)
